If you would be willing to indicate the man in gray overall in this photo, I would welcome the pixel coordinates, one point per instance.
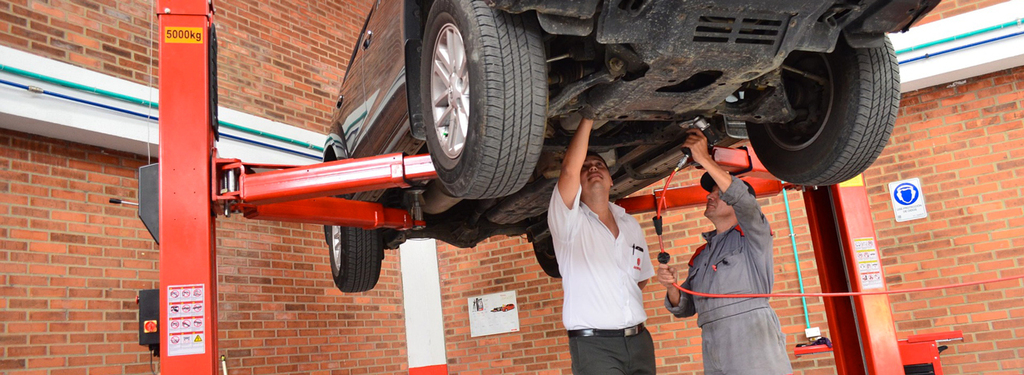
(740, 335)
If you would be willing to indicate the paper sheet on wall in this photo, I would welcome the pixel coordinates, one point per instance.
(493, 313)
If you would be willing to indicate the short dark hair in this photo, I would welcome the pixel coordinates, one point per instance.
(708, 183)
(592, 153)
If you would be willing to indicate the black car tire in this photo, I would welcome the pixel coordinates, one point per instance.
(544, 250)
(507, 99)
(860, 104)
(356, 255)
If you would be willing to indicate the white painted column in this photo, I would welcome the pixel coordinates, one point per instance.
(424, 327)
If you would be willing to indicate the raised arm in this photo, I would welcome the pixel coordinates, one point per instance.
(698, 145)
(748, 211)
(575, 155)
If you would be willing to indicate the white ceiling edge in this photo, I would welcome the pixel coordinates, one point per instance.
(53, 117)
(966, 63)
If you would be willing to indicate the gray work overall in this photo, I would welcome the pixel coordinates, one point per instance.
(740, 335)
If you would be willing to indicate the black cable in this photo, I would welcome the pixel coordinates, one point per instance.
(152, 353)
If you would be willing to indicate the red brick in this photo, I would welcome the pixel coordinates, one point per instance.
(85, 166)
(12, 364)
(47, 247)
(962, 117)
(47, 270)
(28, 235)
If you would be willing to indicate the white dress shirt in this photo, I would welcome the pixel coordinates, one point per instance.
(599, 271)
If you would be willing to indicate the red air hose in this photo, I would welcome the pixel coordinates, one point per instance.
(845, 294)
(663, 258)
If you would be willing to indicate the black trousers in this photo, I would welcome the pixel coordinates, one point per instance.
(632, 355)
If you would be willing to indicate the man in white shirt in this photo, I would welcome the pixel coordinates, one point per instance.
(603, 258)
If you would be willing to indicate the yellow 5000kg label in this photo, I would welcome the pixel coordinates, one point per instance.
(183, 35)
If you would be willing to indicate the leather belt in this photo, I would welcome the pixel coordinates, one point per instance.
(625, 332)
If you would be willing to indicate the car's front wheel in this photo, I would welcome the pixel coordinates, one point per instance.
(484, 79)
(846, 103)
(356, 255)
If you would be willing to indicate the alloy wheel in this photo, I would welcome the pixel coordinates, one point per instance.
(449, 91)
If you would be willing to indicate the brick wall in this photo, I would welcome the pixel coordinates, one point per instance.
(965, 143)
(279, 59)
(71, 265)
(950, 8)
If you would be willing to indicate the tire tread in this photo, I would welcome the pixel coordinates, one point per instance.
(362, 253)
(513, 59)
(867, 125)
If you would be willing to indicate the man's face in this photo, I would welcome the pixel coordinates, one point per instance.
(595, 173)
(715, 207)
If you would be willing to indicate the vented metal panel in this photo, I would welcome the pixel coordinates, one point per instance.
(739, 30)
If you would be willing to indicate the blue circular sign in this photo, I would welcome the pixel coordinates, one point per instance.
(906, 194)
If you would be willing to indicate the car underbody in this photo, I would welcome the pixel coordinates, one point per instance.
(643, 68)
(652, 153)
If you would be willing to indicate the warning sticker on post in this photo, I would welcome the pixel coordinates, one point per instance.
(189, 35)
(186, 315)
(868, 266)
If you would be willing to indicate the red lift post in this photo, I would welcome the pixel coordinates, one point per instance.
(193, 185)
(190, 193)
(187, 250)
(843, 235)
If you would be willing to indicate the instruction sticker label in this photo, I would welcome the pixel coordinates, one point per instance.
(190, 35)
(868, 266)
(186, 333)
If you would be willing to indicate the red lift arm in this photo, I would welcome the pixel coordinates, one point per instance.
(325, 179)
(301, 194)
(735, 160)
(284, 194)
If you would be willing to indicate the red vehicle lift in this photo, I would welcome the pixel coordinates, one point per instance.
(194, 186)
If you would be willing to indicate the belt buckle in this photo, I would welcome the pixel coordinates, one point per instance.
(631, 331)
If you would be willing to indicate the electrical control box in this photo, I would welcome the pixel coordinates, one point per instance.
(149, 318)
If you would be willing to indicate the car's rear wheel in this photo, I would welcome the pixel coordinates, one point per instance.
(544, 250)
(846, 103)
(485, 91)
(356, 255)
